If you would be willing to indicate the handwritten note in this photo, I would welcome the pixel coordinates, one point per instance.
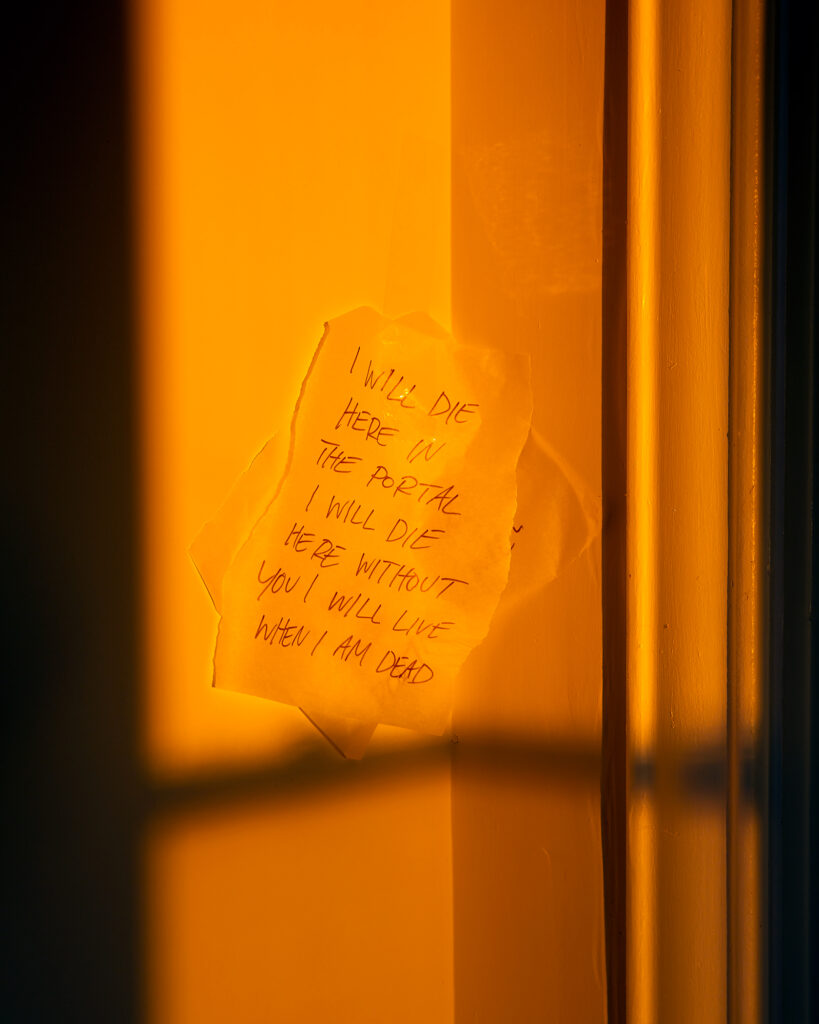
(367, 581)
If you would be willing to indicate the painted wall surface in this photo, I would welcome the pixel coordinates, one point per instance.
(293, 164)
(527, 124)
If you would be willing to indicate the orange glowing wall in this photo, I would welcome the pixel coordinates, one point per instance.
(527, 248)
(293, 164)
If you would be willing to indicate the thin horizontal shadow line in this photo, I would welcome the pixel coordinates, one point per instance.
(698, 774)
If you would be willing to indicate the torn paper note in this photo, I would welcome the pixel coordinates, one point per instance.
(376, 569)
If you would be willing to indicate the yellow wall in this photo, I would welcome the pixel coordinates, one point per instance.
(527, 122)
(293, 164)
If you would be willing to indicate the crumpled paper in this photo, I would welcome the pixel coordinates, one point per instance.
(357, 563)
